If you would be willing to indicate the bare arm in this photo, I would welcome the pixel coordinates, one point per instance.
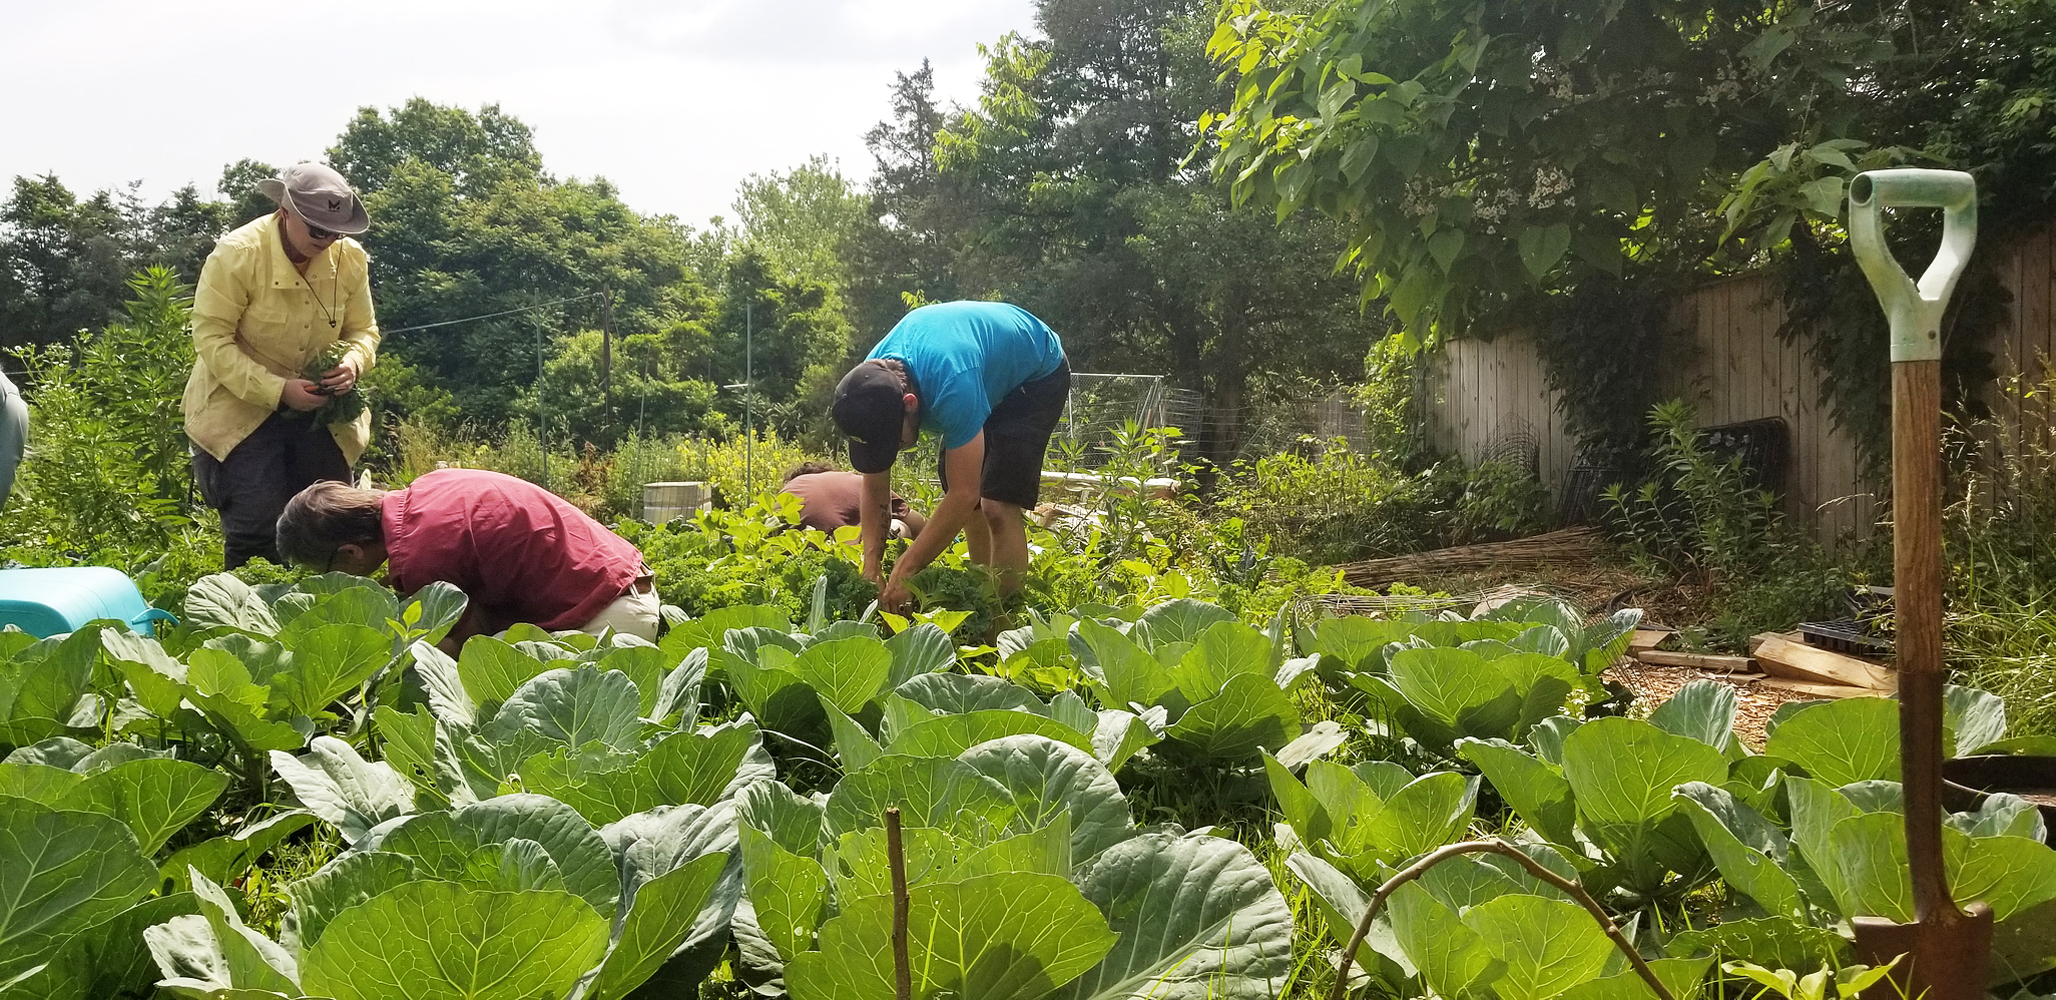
(965, 467)
(871, 522)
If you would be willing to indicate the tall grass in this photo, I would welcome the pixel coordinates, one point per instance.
(2001, 547)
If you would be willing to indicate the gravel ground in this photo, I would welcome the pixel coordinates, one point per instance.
(1654, 685)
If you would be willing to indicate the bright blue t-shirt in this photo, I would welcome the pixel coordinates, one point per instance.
(965, 357)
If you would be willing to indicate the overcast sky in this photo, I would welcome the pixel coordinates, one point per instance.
(675, 101)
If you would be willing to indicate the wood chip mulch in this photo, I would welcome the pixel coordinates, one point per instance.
(1654, 685)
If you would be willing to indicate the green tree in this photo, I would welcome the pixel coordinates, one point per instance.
(66, 261)
(465, 223)
(651, 398)
(791, 334)
(800, 221)
(63, 261)
(1487, 155)
(476, 151)
(908, 243)
(1563, 165)
(1064, 189)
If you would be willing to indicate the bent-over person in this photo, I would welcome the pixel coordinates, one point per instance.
(989, 379)
(518, 551)
(831, 498)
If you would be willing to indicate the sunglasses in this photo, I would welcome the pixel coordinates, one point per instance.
(315, 232)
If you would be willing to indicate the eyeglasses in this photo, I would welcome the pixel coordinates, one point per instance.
(315, 232)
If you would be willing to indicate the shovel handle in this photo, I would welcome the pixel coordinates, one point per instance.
(1915, 310)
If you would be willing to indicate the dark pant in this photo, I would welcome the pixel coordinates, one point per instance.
(250, 487)
(1016, 436)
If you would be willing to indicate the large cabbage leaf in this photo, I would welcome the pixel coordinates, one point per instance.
(1010, 936)
(1198, 917)
(61, 871)
(440, 939)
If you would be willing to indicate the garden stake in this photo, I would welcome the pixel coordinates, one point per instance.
(1948, 946)
(896, 858)
(1493, 846)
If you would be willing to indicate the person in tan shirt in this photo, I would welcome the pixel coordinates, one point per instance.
(272, 296)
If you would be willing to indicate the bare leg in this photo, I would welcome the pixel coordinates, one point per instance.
(1009, 544)
(978, 536)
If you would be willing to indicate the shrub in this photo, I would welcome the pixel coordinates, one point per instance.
(1700, 519)
(107, 479)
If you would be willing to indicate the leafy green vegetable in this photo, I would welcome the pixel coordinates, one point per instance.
(1250, 715)
(1196, 917)
(659, 918)
(1842, 741)
(1010, 936)
(441, 844)
(1046, 779)
(346, 790)
(60, 873)
(435, 939)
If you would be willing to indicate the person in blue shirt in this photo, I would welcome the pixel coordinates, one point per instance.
(990, 380)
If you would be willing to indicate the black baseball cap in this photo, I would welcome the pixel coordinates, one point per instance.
(869, 408)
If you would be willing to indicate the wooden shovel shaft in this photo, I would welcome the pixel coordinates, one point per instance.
(896, 860)
(1917, 613)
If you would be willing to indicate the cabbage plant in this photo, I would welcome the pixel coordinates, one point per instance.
(78, 830)
(1027, 878)
(1366, 818)
(1445, 678)
(1831, 844)
(610, 730)
(516, 896)
(1602, 788)
(1224, 687)
(944, 714)
(1549, 624)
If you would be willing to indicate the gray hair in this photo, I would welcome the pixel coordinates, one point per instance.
(325, 517)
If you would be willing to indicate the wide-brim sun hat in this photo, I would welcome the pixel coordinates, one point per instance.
(319, 196)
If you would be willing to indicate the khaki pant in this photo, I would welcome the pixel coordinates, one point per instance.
(633, 613)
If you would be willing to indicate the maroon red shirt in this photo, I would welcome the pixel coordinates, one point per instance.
(831, 500)
(517, 550)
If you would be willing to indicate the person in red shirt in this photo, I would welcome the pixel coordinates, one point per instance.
(518, 551)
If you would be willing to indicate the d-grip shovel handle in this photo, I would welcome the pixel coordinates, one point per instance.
(1945, 948)
(1915, 311)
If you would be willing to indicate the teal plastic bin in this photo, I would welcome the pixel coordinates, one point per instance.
(46, 602)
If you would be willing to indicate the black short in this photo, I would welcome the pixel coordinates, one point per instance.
(1016, 436)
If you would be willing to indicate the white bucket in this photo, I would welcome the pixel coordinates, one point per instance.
(664, 501)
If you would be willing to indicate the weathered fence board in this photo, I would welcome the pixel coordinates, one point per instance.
(1732, 367)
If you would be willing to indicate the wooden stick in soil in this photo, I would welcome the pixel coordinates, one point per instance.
(902, 968)
(1493, 846)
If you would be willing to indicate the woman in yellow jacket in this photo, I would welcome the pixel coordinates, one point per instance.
(273, 295)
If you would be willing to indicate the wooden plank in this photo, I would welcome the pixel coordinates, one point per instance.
(1819, 690)
(1646, 639)
(1566, 545)
(1780, 657)
(1702, 661)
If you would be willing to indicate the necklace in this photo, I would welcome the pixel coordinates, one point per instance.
(334, 294)
(334, 274)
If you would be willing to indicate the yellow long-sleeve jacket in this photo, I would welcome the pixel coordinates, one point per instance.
(257, 322)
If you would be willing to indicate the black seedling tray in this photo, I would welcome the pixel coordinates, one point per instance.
(1850, 637)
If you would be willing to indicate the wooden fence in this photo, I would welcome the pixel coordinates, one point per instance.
(1491, 397)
